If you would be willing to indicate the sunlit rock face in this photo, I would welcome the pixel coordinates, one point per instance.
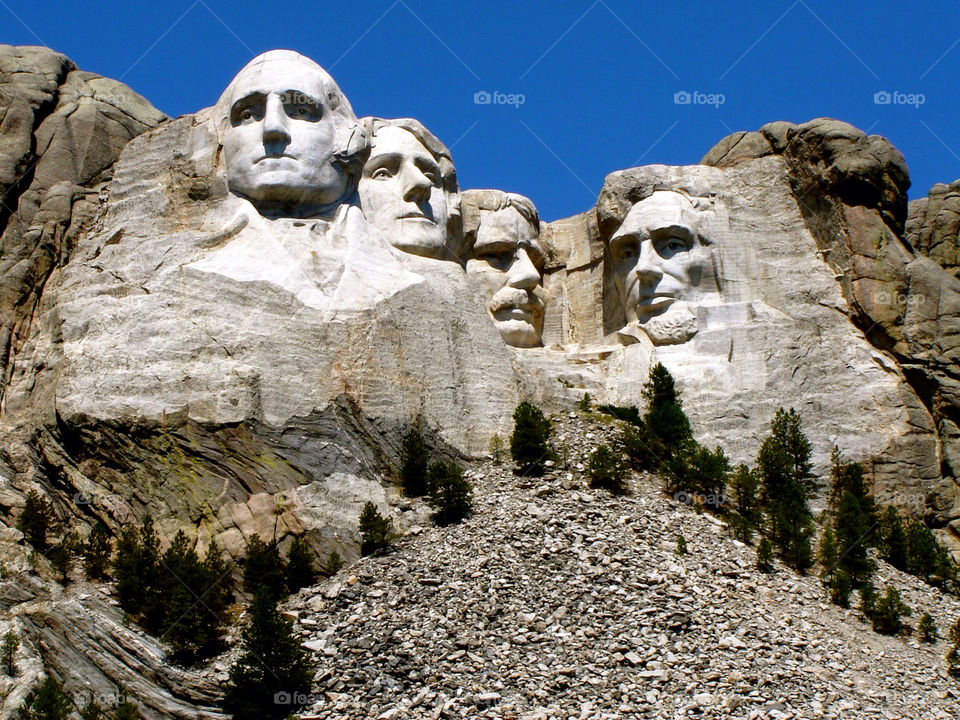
(505, 262)
(752, 319)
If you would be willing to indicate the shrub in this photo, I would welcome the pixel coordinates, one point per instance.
(300, 571)
(374, 530)
(48, 702)
(413, 464)
(264, 569)
(36, 520)
(334, 564)
(698, 472)
(888, 611)
(96, 551)
(8, 651)
(586, 403)
(926, 628)
(528, 444)
(629, 415)
(497, 448)
(927, 558)
(643, 449)
(681, 545)
(606, 469)
(272, 667)
(451, 494)
(126, 711)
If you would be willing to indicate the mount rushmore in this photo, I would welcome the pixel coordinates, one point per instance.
(228, 320)
(213, 316)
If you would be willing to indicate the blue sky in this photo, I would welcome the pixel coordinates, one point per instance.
(598, 78)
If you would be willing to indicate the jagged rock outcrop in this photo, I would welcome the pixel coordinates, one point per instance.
(61, 130)
(932, 225)
(852, 191)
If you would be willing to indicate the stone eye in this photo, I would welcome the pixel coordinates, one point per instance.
(381, 174)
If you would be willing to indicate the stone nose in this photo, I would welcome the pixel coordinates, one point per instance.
(523, 274)
(275, 123)
(648, 268)
(416, 186)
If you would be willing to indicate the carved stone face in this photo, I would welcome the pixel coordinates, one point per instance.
(660, 260)
(281, 135)
(507, 266)
(402, 195)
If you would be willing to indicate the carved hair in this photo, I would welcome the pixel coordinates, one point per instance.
(476, 201)
(448, 174)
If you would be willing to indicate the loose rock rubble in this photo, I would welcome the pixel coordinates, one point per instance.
(554, 600)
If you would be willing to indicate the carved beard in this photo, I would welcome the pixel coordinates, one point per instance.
(674, 326)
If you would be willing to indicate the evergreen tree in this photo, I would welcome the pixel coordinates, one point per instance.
(264, 568)
(219, 580)
(643, 449)
(126, 711)
(840, 588)
(868, 599)
(451, 494)
(413, 464)
(334, 564)
(300, 569)
(888, 611)
(272, 676)
(374, 530)
(496, 448)
(953, 654)
(698, 472)
(664, 415)
(744, 484)
(8, 653)
(827, 554)
(926, 629)
(892, 538)
(784, 465)
(765, 556)
(586, 403)
(97, 551)
(852, 530)
(136, 569)
(190, 625)
(606, 469)
(48, 702)
(92, 710)
(36, 520)
(528, 444)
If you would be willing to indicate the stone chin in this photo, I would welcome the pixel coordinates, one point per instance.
(674, 326)
(420, 236)
(518, 333)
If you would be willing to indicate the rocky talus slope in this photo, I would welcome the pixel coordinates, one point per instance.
(557, 601)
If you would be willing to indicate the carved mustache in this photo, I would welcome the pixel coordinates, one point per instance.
(509, 298)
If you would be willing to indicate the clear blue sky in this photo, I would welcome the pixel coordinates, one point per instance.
(598, 76)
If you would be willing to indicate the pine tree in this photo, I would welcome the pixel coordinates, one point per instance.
(300, 569)
(413, 464)
(892, 538)
(191, 626)
(765, 556)
(606, 469)
(97, 551)
(888, 611)
(374, 530)
(272, 676)
(136, 569)
(953, 654)
(264, 568)
(451, 494)
(852, 531)
(8, 653)
(528, 444)
(333, 565)
(664, 415)
(48, 702)
(744, 484)
(36, 520)
(926, 629)
(784, 465)
(92, 710)
(827, 554)
(126, 711)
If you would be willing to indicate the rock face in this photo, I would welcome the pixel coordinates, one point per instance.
(851, 190)
(932, 224)
(61, 130)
